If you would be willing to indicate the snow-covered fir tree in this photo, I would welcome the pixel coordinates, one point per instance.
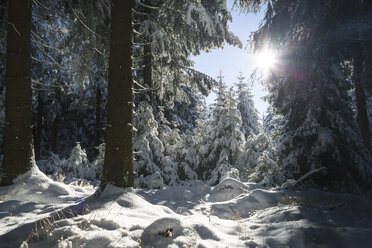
(148, 148)
(186, 158)
(171, 140)
(202, 141)
(226, 139)
(249, 114)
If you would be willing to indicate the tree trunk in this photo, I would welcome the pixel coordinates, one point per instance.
(118, 163)
(98, 116)
(39, 127)
(362, 115)
(18, 129)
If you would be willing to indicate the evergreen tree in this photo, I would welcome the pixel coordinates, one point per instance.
(170, 138)
(18, 148)
(226, 139)
(248, 112)
(202, 143)
(186, 158)
(148, 148)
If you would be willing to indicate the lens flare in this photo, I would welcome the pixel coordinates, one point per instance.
(266, 59)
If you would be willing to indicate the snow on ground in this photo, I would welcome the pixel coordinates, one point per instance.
(232, 214)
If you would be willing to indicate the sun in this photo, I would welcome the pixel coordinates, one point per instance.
(266, 60)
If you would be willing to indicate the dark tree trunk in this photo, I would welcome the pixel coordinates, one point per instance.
(98, 115)
(362, 115)
(39, 125)
(118, 163)
(18, 128)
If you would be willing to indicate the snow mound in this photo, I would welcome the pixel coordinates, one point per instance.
(228, 189)
(34, 196)
(163, 228)
(245, 204)
(35, 186)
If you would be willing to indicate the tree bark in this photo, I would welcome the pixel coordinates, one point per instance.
(118, 162)
(18, 151)
(39, 125)
(362, 115)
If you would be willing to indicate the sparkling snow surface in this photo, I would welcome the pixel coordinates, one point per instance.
(232, 214)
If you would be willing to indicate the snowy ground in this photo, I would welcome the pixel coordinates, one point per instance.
(232, 214)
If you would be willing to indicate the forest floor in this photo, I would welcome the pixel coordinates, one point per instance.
(232, 214)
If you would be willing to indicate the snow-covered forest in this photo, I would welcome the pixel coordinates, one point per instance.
(106, 139)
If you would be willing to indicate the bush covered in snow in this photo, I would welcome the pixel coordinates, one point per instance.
(76, 166)
(257, 163)
(160, 155)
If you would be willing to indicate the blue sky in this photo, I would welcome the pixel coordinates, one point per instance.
(231, 60)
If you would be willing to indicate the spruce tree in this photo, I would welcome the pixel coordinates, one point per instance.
(226, 139)
(249, 114)
(148, 148)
